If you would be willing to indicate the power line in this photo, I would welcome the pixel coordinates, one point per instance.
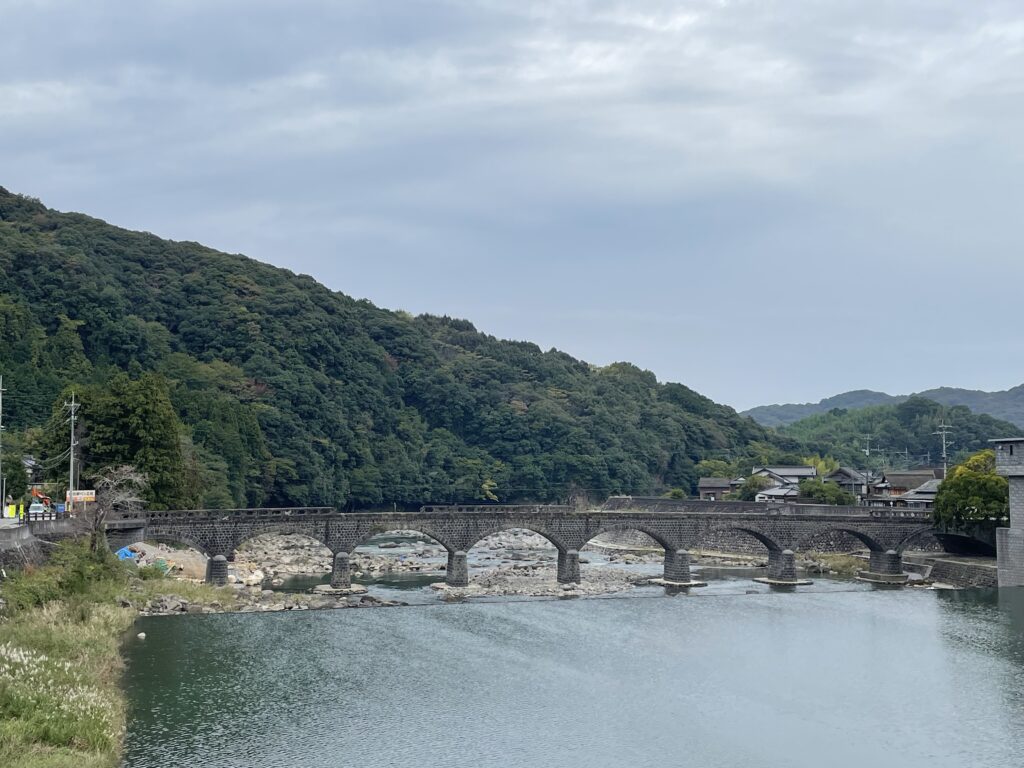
(53, 461)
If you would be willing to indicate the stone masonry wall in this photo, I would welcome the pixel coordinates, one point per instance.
(961, 574)
(672, 524)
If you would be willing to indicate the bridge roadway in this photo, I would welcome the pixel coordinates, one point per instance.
(677, 525)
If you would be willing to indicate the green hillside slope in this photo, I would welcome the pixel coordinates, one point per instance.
(900, 435)
(1007, 405)
(283, 392)
(780, 415)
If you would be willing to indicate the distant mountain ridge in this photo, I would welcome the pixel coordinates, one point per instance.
(1007, 405)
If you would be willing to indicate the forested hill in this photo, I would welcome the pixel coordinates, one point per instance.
(901, 435)
(278, 391)
(1007, 405)
(780, 415)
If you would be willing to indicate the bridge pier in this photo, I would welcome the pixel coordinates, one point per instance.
(677, 565)
(341, 576)
(569, 566)
(457, 574)
(884, 568)
(782, 569)
(217, 571)
(677, 570)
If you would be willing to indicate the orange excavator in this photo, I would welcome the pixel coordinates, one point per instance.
(37, 494)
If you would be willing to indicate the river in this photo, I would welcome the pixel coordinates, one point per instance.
(835, 674)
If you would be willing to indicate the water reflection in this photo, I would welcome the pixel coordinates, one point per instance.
(836, 674)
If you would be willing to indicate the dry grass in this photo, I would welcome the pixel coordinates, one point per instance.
(60, 699)
(840, 564)
(61, 703)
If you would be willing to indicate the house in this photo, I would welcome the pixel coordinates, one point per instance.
(713, 488)
(896, 482)
(778, 494)
(922, 497)
(851, 480)
(783, 476)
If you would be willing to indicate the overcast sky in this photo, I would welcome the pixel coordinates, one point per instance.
(767, 201)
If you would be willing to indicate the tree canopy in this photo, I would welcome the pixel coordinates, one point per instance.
(903, 434)
(825, 492)
(973, 492)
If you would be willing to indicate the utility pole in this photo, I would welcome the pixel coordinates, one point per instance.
(73, 407)
(3, 477)
(943, 432)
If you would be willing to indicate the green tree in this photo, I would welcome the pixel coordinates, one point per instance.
(752, 486)
(122, 422)
(824, 492)
(825, 465)
(715, 468)
(972, 492)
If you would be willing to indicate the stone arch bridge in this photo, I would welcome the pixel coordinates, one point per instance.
(677, 525)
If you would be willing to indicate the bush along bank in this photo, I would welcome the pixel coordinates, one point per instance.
(61, 627)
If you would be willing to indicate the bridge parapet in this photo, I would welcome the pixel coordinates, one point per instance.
(496, 509)
(657, 505)
(240, 514)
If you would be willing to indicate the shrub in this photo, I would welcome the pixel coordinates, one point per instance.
(73, 571)
(150, 572)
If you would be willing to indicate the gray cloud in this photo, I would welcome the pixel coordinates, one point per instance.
(766, 200)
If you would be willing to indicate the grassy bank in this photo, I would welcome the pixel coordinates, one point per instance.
(61, 627)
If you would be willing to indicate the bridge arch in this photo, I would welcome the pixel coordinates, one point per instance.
(867, 540)
(660, 539)
(710, 536)
(174, 539)
(498, 558)
(425, 531)
(518, 525)
(920, 532)
(280, 529)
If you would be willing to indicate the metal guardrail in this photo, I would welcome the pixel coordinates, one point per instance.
(38, 517)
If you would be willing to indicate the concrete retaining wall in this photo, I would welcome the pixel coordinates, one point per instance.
(18, 547)
(961, 574)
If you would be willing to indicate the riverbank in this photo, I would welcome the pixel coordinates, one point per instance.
(61, 631)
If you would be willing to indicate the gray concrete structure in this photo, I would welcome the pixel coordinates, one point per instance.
(1010, 541)
(677, 525)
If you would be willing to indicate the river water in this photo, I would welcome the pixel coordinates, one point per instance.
(834, 675)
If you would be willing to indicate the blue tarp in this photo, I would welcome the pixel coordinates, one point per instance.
(125, 554)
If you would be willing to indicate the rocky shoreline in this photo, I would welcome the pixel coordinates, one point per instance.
(536, 580)
(256, 600)
(511, 563)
